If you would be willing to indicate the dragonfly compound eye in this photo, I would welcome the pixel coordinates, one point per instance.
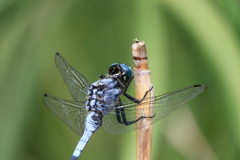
(121, 69)
(126, 72)
(114, 69)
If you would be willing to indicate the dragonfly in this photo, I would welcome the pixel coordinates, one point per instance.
(99, 104)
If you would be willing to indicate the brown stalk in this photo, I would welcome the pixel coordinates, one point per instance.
(142, 84)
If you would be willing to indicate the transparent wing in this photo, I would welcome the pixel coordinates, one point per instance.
(162, 106)
(75, 81)
(73, 113)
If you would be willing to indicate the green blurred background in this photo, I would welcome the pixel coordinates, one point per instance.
(188, 42)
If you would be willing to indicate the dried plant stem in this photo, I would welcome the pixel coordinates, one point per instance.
(142, 84)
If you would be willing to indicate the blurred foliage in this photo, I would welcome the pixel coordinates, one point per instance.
(188, 42)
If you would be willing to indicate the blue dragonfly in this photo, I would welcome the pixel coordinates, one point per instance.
(99, 104)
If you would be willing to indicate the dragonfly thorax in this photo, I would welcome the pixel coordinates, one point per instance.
(103, 94)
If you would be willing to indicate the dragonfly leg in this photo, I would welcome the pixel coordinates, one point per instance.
(135, 100)
(121, 117)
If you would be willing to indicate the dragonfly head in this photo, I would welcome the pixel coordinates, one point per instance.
(123, 70)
